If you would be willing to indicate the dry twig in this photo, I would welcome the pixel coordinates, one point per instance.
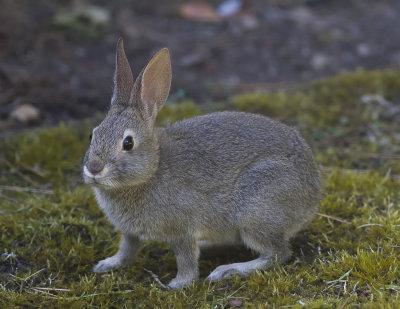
(156, 279)
(26, 189)
(9, 198)
(334, 218)
(369, 224)
(23, 176)
(50, 289)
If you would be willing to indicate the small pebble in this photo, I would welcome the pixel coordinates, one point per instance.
(236, 303)
(319, 61)
(25, 114)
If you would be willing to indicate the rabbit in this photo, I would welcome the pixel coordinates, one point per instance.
(224, 177)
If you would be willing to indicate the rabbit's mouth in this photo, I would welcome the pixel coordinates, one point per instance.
(103, 179)
(99, 182)
(95, 179)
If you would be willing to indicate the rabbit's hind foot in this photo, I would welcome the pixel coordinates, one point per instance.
(243, 269)
(275, 253)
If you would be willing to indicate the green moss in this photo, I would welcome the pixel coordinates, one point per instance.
(337, 101)
(348, 257)
(83, 21)
(171, 113)
(274, 105)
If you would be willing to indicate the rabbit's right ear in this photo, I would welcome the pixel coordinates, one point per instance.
(123, 78)
(153, 85)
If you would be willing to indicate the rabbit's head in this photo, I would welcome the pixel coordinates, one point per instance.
(124, 149)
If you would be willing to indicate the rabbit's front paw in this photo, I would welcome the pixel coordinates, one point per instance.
(108, 264)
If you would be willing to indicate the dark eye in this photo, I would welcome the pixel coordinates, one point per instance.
(90, 137)
(128, 143)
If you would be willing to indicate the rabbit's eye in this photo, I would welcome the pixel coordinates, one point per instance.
(128, 143)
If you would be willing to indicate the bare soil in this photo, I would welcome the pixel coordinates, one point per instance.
(65, 69)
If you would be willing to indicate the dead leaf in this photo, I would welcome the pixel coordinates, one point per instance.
(199, 11)
(363, 292)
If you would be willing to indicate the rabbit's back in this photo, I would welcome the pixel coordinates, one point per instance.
(242, 167)
(224, 143)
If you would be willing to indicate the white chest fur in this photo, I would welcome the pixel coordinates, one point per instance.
(122, 215)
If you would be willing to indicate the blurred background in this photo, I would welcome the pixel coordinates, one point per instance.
(57, 57)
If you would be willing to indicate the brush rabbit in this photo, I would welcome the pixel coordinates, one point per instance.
(226, 177)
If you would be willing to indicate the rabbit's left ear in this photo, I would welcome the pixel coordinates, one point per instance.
(123, 78)
(154, 83)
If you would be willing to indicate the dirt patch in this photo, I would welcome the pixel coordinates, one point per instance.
(62, 63)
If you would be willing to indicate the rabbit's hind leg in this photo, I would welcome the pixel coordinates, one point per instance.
(274, 249)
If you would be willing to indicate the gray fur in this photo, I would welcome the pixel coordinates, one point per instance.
(225, 177)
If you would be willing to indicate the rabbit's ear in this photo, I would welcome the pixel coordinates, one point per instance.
(123, 79)
(154, 83)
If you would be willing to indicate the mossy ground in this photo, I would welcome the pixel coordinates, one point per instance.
(349, 255)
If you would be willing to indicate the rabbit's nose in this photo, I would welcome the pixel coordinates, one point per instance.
(95, 166)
